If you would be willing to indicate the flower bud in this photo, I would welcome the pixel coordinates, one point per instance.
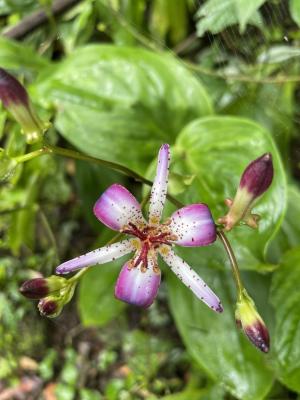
(255, 180)
(40, 287)
(16, 100)
(248, 319)
(50, 307)
(7, 166)
(54, 292)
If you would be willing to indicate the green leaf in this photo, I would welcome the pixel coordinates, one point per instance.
(295, 10)
(278, 54)
(246, 9)
(285, 297)
(216, 151)
(216, 15)
(18, 56)
(122, 103)
(289, 233)
(214, 341)
(97, 304)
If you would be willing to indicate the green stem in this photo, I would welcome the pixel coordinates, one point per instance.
(29, 156)
(233, 262)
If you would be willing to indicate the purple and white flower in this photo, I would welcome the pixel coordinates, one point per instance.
(139, 278)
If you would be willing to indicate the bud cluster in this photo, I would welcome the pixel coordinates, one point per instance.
(52, 292)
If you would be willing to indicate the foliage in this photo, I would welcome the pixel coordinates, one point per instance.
(219, 82)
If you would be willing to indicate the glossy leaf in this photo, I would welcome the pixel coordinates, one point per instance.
(214, 341)
(285, 298)
(97, 305)
(122, 103)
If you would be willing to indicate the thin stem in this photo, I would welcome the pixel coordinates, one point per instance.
(233, 262)
(33, 154)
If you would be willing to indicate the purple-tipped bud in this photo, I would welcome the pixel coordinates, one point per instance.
(49, 307)
(255, 180)
(258, 176)
(16, 100)
(40, 287)
(248, 319)
(35, 288)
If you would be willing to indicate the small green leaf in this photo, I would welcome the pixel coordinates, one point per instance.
(245, 10)
(216, 15)
(285, 297)
(295, 10)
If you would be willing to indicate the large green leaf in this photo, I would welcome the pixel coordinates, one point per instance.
(285, 297)
(245, 10)
(214, 341)
(216, 150)
(122, 103)
(97, 304)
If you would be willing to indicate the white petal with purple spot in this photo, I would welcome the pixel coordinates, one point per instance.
(98, 256)
(136, 287)
(159, 188)
(117, 207)
(193, 225)
(189, 277)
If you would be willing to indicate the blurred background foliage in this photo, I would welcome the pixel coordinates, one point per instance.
(219, 81)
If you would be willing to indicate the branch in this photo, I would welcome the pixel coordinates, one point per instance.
(38, 18)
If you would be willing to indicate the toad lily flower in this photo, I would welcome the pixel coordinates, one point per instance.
(139, 278)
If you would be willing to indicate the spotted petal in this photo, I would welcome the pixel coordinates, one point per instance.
(117, 207)
(193, 226)
(159, 188)
(136, 287)
(99, 256)
(189, 277)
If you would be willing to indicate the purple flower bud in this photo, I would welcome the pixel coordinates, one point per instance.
(49, 307)
(248, 319)
(258, 176)
(35, 288)
(40, 287)
(16, 100)
(255, 180)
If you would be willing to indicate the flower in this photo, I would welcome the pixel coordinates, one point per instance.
(251, 322)
(255, 180)
(16, 100)
(139, 278)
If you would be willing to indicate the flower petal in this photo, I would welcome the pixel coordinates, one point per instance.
(193, 225)
(99, 256)
(116, 207)
(159, 188)
(189, 277)
(136, 287)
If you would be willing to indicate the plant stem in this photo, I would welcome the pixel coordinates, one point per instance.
(233, 262)
(33, 154)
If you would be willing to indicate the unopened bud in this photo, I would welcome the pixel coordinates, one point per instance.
(255, 180)
(54, 292)
(16, 100)
(40, 287)
(248, 319)
(50, 307)
(7, 166)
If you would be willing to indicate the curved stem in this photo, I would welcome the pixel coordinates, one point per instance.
(233, 262)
